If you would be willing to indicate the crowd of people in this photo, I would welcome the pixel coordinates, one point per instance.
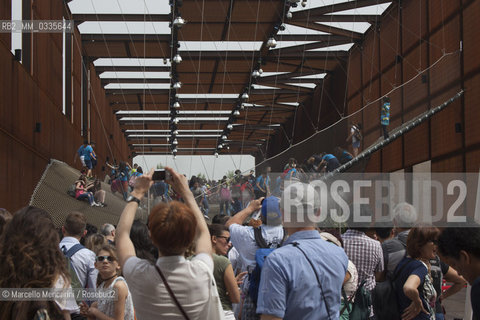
(249, 265)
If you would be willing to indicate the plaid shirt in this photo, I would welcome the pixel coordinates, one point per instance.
(365, 253)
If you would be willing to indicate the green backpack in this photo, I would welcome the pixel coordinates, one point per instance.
(75, 282)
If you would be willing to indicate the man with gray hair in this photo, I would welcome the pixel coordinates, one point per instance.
(404, 217)
(294, 275)
(108, 230)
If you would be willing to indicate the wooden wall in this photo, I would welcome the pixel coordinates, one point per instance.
(28, 97)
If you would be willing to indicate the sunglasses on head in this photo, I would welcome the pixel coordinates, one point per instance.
(103, 258)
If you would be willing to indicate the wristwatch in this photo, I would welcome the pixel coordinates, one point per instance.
(132, 198)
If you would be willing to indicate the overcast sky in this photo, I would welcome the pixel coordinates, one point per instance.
(210, 166)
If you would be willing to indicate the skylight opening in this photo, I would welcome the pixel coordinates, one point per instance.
(146, 86)
(268, 74)
(304, 85)
(220, 45)
(120, 6)
(180, 112)
(167, 131)
(191, 119)
(207, 95)
(295, 30)
(359, 27)
(258, 86)
(135, 75)
(286, 44)
(213, 136)
(340, 47)
(131, 62)
(123, 27)
(377, 9)
(312, 76)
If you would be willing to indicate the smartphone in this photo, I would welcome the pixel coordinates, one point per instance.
(160, 174)
(257, 214)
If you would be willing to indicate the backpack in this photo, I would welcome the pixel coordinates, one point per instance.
(225, 194)
(261, 254)
(72, 190)
(75, 282)
(360, 309)
(385, 304)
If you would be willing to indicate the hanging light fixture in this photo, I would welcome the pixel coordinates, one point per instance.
(242, 106)
(175, 141)
(179, 22)
(176, 104)
(236, 113)
(175, 120)
(220, 146)
(289, 15)
(271, 43)
(255, 74)
(174, 151)
(216, 154)
(175, 132)
(177, 85)
(230, 126)
(260, 70)
(304, 3)
(245, 96)
(174, 155)
(282, 27)
(224, 137)
(177, 59)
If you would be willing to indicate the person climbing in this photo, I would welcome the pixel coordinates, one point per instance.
(385, 116)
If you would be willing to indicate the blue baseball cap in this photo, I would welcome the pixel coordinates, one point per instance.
(271, 211)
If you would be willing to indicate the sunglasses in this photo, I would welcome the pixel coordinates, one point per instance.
(103, 258)
(226, 238)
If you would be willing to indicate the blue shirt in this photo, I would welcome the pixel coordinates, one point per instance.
(417, 268)
(385, 115)
(262, 182)
(328, 156)
(87, 151)
(288, 285)
(80, 150)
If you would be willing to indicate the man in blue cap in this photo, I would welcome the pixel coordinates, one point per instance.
(245, 239)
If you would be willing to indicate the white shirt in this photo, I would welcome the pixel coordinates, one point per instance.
(83, 262)
(191, 281)
(243, 239)
(64, 302)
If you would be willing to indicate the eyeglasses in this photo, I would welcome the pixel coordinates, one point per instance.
(226, 238)
(103, 258)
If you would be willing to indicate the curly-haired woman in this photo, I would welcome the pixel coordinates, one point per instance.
(31, 258)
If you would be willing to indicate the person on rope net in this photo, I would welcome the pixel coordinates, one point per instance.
(342, 155)
(81, 191)
(174, 287)
(262, 184)
(356, 137)
(80, 154)
(385, 116)
(329, 163)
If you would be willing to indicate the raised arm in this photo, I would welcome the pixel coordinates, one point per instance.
(180, 185)
(125, 248)
(242, 215)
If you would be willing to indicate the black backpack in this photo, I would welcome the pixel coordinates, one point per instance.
(385, 301)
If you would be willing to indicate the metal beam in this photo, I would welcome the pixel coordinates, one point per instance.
(324, 28)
